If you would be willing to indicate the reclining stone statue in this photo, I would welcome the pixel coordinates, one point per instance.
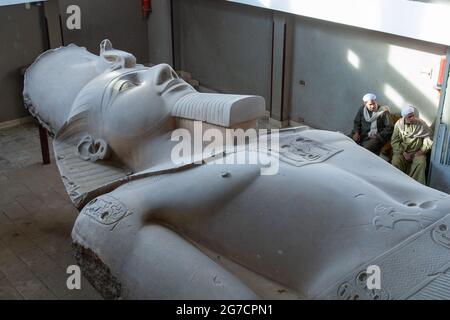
(153, 229)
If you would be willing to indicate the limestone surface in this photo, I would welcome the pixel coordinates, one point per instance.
(160, 230)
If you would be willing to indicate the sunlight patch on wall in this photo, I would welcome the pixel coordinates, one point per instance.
(394, 96)
(353, 59)
(419, 69)
(265, 3)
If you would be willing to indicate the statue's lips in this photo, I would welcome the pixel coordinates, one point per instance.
(174, 84)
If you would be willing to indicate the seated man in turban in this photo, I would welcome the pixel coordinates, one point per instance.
(411, 141)
(372, 127)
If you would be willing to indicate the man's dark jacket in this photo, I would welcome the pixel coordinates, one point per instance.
(384, 125)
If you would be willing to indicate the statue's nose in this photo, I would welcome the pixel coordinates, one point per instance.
(164, 74)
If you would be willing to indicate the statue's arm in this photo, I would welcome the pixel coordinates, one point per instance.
(146, 257)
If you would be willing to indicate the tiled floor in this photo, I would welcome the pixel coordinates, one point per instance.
(36, 219)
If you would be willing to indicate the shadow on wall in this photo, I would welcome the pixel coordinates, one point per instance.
(340, 64)
(21, 41)
(226, 46)
(119, 21)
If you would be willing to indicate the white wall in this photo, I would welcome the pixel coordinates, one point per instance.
(412, 19)
(340, 64)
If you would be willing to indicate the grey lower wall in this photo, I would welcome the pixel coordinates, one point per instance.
(340, 64)
(21, 40)
(160, 33)
(225, 46)
(117, 20)
(20, 43)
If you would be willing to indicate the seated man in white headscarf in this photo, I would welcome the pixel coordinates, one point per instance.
(411, 141)
(372, 126)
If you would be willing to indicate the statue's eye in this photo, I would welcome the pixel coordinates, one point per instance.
(125, 85)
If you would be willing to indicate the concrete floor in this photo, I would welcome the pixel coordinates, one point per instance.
(36, 219)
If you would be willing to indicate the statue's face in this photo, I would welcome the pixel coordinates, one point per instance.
(138, 102)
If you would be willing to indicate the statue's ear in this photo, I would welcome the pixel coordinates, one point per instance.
(93, 149)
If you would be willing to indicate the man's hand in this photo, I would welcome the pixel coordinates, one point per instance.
(420, 153)
(408, 156)
(373, 136)
(356, 136)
